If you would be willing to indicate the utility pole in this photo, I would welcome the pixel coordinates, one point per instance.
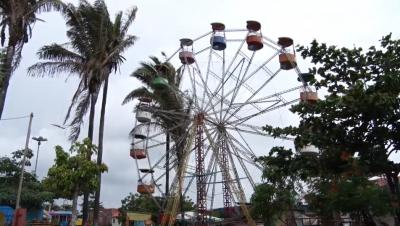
(23, 162)
(39, 140)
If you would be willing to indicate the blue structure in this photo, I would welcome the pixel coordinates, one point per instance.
(8, 213)
(34, 215)
(218, 42)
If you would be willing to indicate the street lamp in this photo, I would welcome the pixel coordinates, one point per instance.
(39, 140)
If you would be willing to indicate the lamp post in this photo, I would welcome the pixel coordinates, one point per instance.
(39, 140)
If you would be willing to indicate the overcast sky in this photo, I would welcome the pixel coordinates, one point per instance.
(159, 26)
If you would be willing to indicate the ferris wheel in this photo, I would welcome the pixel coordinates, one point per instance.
(234, 81)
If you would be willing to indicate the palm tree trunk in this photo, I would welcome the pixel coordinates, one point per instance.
(74, 207)
(5, 75)
(100, 152)
(85, 206)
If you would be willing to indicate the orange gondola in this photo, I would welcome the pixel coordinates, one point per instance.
(145, 188)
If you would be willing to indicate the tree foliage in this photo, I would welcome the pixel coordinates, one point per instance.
(71, 171)
(17, 18)
(94, 51)
(356, 127)
(170, 109)
(33, 193)
(147, 204)
(72, 175)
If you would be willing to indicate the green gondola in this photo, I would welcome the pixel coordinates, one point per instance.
(160, 83)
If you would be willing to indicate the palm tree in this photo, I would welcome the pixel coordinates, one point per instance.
(169, 102)
(171, 110)
(93, 53)
(119, 41)
(16, 20)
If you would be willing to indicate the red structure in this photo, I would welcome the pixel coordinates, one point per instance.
(19, 218)
(200, 173)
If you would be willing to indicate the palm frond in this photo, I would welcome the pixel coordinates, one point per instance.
(115, 57)
(139, 92)
(48, 5)
(80, 111)
(145, 74)
(57, 52)
(75, 98)
(49, 68)
(130, 17)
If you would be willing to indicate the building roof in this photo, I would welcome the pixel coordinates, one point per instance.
(132, 216)
(61, 212)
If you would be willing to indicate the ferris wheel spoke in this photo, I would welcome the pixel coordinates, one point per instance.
(202, 84)
(262, 66)
(227, 69)
(188, 186)
(275, 98)
(213, 186)
(274, 107)
(271, 43)
(237, 177)
(207, 73)
(242, 164)
(192, 79)
(253, 95)
(210, 171)
(223, 81)
(245, 149)
(237, 86)
(162, 132)
(203, 50)
(141, 177)
(244, 80)
(256, 130)
(277, 95)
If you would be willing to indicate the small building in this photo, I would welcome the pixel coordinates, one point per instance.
(6, 215)
(60, 217)
(109, 217)
(138, 219)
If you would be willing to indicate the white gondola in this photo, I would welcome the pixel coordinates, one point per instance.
(309, 149)
(140, 131)
(143, 114)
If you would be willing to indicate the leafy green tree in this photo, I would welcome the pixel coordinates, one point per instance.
(19, 154)
(147, 204)
(16, 23)
(292, 176)
(356, 126)
(33, 193)
(276, 195)
(71, 175)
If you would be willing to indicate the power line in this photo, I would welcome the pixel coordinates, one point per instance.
(14, 118)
